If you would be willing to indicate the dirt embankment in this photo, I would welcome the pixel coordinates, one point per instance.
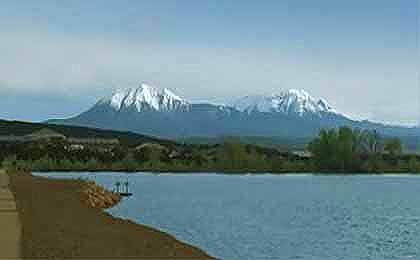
(58, 224)
(95, 196)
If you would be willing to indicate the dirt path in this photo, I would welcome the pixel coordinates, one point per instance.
(58, 225)
(10, 228)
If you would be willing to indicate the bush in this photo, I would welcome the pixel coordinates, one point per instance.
(10, 163)
(414, 165)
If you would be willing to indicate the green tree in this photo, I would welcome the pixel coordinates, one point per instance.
(341, 150)
(393, 146)
(345, 148)
(374, 164)
(414, 165)
(256, 161)
(325, 150)
(358, 141)
(372, 141)
(92, 164)
(129, 163)
(232, 155)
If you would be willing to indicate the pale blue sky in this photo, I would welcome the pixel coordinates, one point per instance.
(59, 57)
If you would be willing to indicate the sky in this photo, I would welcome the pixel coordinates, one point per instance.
(57, 58)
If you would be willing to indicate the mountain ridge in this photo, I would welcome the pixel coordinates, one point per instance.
(292, 101)
(145, 97)
(159, 112)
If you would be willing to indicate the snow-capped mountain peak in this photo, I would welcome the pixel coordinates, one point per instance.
(293, 101)
(145, 97)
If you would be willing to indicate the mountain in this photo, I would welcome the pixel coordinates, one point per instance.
(154, 111)
(145, 98)
(159, 112)
(290, 102)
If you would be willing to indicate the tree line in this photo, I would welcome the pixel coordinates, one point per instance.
(342, 150)
(355, 150)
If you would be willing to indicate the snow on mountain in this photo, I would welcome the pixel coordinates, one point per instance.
(289, 102)
(210, 120)
(145, 97)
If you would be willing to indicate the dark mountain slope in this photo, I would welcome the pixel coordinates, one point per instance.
(18, 128)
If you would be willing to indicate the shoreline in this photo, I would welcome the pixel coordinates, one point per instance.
(58, 225)
(256, 173)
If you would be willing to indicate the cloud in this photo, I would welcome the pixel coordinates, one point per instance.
(65, 65)
(62, 65)
(85, 68)
(39, 63)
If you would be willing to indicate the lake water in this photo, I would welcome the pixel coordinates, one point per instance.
(278, 217)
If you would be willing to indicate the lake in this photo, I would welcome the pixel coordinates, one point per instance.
(250, 217)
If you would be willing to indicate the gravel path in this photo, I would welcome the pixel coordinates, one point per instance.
(10, 228)
(58, 225)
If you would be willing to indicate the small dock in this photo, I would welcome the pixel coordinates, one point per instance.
(125, 192)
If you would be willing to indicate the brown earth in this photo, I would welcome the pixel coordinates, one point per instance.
(10, 228)
(57, 224)
(95, 196)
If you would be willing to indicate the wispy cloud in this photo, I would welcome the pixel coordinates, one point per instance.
(86, 68)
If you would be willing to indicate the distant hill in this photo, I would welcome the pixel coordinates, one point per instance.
(292, 114)
(17, 128)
